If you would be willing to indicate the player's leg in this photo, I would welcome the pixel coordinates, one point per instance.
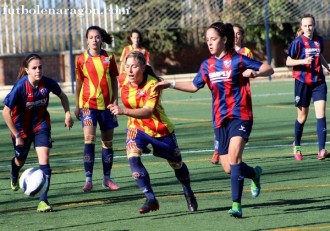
(89, 123)
(42, 143)
(18, 162)
(319, 97)
(167, 148)
(303, 96)
(135, 142)
(107, 122)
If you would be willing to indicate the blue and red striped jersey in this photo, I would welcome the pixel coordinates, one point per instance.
(29, 104)
(301, 48)
(231, 94)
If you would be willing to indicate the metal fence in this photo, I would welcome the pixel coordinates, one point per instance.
(47, 25)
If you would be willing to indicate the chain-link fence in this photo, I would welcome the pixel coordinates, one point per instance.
(46, 25)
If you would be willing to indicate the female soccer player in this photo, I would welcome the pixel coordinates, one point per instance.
(226, 74)
(239, 38)
(134, 40)
(305, 55)
(148, 124)
(25, 113)
(97, 87)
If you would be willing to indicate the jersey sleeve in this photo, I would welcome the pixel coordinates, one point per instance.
(251, 63)
(294, 49)
(79, 72)
(199, 80)
(12, 98)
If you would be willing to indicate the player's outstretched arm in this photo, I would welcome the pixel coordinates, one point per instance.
(65, 103)
(186, 86)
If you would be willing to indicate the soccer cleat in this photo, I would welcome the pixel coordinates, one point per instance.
(88, 186)
(110, 184)
(297, 152)
(149, 205)
(44, 207)
(236, 210)
(255, 183)
(215, 158)
(14, 184)
(191, 203)
(322, 154)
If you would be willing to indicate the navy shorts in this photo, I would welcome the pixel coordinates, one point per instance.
(304, 93)
(229, 129)
(165, 147)
(41, 138)
(90, 117)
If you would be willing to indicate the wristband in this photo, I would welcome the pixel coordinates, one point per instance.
(18, 136)
(172, 84)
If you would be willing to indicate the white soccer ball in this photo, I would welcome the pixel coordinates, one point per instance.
(33, 182)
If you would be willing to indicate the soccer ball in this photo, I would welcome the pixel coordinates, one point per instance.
(33, 182)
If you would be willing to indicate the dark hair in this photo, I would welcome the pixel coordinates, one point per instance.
(129, 40)
(107, 38)
(225, 30)
(25, 64)
(143, 62)
(307, 16)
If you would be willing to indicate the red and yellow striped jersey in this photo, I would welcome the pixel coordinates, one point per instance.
(158, 125)
(129, 48)
(245, 51)
(96, 72)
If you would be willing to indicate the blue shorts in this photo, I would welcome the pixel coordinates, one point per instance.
(304, 93)
(229, 129)
(90, 117)
(165, 147)
(41, 138)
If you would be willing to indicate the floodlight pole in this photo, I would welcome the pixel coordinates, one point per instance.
(269, 58)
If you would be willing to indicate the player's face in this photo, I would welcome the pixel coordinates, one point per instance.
(34, 70)
(94, 40)
(307, 26)
(238, 36)
(134, 70)
(135, 39)
(215, 43)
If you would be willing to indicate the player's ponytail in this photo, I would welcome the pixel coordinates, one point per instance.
(25, 64)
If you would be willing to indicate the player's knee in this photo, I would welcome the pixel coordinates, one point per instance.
(89, 139)
(133, 152)
(106, 144)
(175, 165)
(136, 175)
(20, 163)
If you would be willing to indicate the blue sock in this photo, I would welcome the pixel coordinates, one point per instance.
(248, 171)
(141, 176)
(182, 175)
(237, 182)
(48, 172)
(107, 161)
(14, 170)
(298, 131)
(89, 156)
(321, 132)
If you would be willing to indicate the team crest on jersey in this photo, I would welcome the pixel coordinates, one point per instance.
(106, 60)
(141, 93)
(43, 91)
(227, 63)
(306, 43)
(316, 43)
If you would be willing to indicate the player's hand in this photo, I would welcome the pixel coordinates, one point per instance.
(309, 60)
(162, 85)
(68, 122)
(77, 113)
(115, 109)
(249, 73)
